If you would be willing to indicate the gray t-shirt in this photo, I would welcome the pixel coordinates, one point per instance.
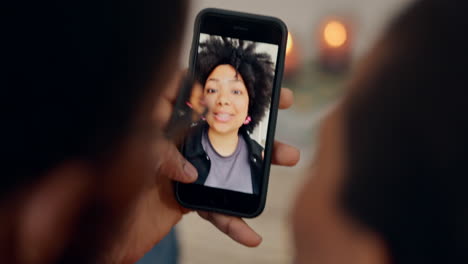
(231, 172)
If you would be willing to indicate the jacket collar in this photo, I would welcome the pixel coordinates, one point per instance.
(255, 149)
(194, 146)
(193, 143)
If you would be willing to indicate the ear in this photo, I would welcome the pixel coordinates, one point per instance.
(49, 212)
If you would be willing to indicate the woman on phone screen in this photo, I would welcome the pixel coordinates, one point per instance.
(237, 85)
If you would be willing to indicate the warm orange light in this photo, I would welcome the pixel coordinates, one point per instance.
(289, 44)
(335, 34)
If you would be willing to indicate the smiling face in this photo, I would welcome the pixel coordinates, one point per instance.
(227, 99)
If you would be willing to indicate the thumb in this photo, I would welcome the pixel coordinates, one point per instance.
(174, 166)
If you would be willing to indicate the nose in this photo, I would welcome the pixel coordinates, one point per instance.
(222, 98)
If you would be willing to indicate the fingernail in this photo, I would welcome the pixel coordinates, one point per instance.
(190, 171)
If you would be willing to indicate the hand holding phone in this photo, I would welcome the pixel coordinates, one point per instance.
(236, 68)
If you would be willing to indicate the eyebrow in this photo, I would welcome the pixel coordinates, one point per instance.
(217, 80)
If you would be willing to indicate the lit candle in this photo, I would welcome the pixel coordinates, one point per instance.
(292, 59)
(335, 46)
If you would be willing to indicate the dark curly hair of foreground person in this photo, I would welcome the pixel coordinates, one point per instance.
(256, 69)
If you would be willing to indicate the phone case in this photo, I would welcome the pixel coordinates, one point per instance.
(275, 100)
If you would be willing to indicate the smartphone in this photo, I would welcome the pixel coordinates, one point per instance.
(228, 110)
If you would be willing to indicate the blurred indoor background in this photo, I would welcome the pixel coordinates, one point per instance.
(327, 37)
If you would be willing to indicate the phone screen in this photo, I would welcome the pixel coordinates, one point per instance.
(233, 96)
(231, 104)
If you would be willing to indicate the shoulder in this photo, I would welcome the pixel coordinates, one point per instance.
(254, 147)
(192, 143)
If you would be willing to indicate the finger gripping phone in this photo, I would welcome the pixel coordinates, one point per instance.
(236, 68)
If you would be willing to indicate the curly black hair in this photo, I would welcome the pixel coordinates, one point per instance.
(257, 70)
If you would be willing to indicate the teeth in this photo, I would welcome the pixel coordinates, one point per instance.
(223, 117)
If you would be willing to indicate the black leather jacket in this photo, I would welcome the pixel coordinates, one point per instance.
(193, 151)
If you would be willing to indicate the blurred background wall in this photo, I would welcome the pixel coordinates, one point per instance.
(304, 16)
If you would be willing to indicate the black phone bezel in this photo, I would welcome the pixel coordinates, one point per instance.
(247, 27)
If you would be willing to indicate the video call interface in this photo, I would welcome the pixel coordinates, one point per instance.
(230, 101)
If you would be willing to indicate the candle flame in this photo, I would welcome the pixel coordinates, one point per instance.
(335, 34)
(289, 44)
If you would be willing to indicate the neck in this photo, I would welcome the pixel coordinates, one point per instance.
(224, 143)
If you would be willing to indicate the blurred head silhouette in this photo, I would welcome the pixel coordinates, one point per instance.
(389, 181)
(78, 91)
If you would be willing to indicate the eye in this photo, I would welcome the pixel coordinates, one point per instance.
(237, 92)
(211, 90)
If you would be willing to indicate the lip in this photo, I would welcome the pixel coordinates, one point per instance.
(223, 117)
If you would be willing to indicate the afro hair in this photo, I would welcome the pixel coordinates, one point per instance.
(256, 69)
